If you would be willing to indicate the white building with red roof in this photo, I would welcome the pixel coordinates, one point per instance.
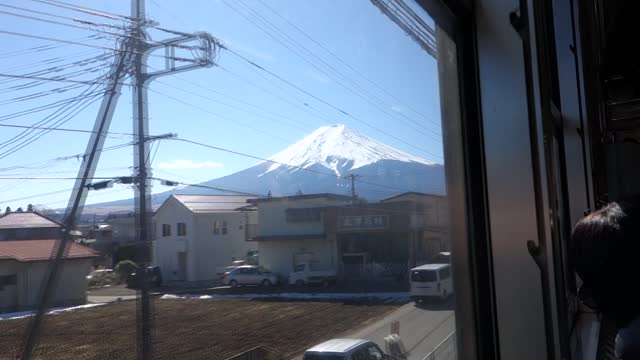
(23, 264)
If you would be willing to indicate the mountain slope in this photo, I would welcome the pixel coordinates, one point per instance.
(320, 162)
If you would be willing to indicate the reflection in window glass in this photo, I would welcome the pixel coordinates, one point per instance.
(316, 131)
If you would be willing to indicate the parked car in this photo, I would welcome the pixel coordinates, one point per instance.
(346, 349)
(154, 276)
(250, 275)
(431, 280)
(234, 264)
(303, 274)
(99, 273)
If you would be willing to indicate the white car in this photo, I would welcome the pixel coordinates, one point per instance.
(249, 275)
(345, 349)
(431, 280)
(302, 274)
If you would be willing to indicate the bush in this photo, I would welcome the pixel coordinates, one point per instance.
(124, 268)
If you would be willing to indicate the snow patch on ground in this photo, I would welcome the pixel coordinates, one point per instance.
(54, 311)
(387, 297)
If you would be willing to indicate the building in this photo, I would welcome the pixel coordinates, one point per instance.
(357, 240)
(197, 235)
(429, 221)
(23, 264)
(291, 230)
(28, 225)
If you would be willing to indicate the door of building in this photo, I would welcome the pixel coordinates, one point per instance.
(182, 266)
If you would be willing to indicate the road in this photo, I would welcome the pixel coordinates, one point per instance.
(421, 328)
(110, 294)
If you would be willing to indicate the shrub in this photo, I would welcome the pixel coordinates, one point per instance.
(124, 268)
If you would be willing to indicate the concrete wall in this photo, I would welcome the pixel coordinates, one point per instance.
(278, 255)
(206, 251)
(166, 248)
(71, 288)
(213, 251)
(30, 233)
(272, 218)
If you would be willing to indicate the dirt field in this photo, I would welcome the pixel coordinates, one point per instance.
(191, 328)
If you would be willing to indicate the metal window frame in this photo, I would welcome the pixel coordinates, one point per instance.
(476, 319)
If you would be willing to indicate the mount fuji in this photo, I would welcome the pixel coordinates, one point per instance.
(322, 162)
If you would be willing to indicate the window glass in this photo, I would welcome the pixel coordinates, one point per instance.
(445, 273)
(182, 229)
(424, 276)
(166, 230)
(323, 127)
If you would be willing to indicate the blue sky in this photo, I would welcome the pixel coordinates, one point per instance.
(211, 105)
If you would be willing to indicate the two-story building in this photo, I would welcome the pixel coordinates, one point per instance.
(196, 235)
(291, 231)
(28, 225)
(354, 238)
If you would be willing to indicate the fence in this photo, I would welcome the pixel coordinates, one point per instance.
(375, 271)
(446, 350)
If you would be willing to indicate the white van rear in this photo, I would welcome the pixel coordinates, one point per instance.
(431, 280)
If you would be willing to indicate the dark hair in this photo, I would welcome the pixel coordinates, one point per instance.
(605, 249)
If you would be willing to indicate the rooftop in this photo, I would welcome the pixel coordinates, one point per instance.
(337, 345)
(431, 267)
(203, 204)
(26, 219)
(412, 193)
(39, 250)
(328, 196)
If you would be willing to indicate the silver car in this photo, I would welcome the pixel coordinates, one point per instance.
(346, 349)
(249, 275)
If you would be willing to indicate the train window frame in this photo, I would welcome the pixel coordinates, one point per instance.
(475, 307)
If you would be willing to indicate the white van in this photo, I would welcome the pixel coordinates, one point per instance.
(431, 280)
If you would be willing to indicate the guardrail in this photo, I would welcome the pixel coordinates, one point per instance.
(446, 350)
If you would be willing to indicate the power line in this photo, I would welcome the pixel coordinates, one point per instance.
(350, 84)
(71, 42)
(63, 129)
(48, 79)
(216, 114)
(355, 70)
(62, 17)
(283, 164)
(327, 103)
(29, 17)
(207, 187)
(86, 10)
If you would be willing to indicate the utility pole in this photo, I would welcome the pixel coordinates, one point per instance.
(353, 178)
(131, 57)
(144, 325)
(141, 80)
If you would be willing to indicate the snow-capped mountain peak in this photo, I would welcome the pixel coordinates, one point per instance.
(338, 148)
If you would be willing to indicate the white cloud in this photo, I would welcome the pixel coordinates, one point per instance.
(189, 164)
(397, 108)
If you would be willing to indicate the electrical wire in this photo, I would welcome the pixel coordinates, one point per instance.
(328, 103)
(62, 17)
(283, 164)
(87, 10)
(352, 68)
(342, 80)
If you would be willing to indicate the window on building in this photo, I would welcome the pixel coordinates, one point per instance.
(216, 227)
(224, 228)
(304, 215)
(182, 229)
(166, 230)
(8, 280)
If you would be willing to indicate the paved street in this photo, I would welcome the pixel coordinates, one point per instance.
(421, 328)
(110, 294)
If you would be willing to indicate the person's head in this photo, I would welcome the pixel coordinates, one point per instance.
(605, 249)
